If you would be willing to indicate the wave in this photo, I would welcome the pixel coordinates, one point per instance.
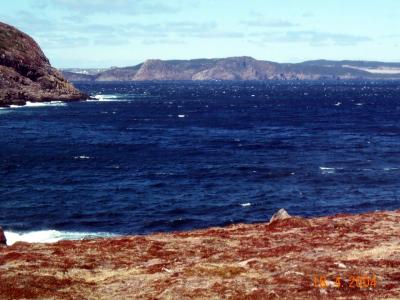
(37, 104)
(326, 170)
(51, 236)
(82, 157)
(118, 97)
(108, 98)
(41, 104)
(390, 169)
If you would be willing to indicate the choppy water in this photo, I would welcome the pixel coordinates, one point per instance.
(148, 157)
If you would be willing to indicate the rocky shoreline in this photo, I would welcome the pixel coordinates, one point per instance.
(26, 73)
(334, 257)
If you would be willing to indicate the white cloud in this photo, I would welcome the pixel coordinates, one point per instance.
(88, 7)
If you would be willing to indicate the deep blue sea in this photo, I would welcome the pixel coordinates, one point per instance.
(167, 156)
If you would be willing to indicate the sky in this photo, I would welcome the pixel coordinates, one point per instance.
(105, 33)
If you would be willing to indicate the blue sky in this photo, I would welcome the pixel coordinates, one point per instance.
(104, 33)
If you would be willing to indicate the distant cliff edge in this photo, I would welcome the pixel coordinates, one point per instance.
(26, 73)
(240, 68)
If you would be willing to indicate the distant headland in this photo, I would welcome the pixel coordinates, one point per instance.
(240, 68)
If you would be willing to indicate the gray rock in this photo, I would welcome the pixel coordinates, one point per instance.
(280, 215)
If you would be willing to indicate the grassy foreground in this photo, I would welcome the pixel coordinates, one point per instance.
(336, 257)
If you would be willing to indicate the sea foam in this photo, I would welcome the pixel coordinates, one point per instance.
(38, 104)
(42, 104)
(51, 236)
(107, 98)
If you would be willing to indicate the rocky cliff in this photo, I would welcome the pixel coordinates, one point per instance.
(339, 257)
(26, 74)
(244, 68)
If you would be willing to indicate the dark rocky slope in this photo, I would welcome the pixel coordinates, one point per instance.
(26, 73)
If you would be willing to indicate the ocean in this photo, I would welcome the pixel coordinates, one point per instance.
(148, 157)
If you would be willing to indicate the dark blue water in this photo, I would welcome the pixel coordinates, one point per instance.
(177, 156)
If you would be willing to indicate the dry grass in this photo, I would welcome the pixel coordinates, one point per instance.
(259, 261)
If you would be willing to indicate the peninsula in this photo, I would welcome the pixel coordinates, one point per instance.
(240, 68)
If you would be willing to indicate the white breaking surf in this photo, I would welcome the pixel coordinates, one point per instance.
(51, 236)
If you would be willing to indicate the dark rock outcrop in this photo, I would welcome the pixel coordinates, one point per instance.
(26, 73)
(3, 240)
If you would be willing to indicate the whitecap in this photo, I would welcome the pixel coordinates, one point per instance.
(326, 170)
(82, 157)
(50, 236)
(42, 104)
(107, 98)
(245, 204)
(39, 104)
(390, 169)
(181, 116)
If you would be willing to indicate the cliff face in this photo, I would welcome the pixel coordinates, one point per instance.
(25, 72)
(233, 68)
(339, 257)
(239, 68)
(244, 68)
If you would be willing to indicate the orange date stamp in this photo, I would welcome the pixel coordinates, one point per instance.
(352, 282)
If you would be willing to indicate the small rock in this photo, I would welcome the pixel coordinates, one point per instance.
(166, 270)
(281, 219)
(323, 291)
(341, 265)
(280, 215)
(3, 240)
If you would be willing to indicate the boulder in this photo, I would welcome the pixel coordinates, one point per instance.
(281, 220)
(281, 214)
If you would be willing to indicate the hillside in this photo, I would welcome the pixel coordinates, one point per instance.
(26, 73)
(243, 68)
